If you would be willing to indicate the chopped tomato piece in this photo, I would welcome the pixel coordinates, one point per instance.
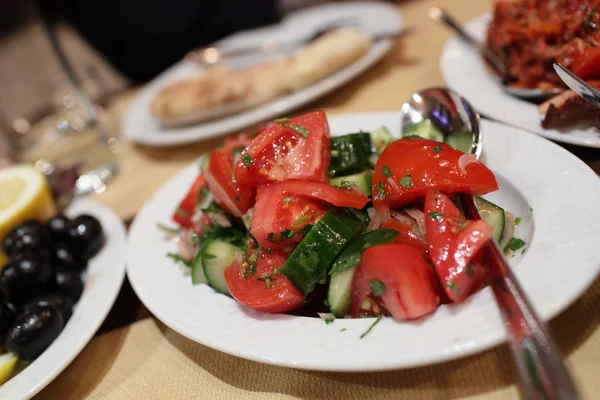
(185, 210)
(298, 148)
(587, 64)
(233, 197)
(454, 244)
(265, 290)
(283, 209)
(409, 168)
(406, 235)
(395, 278)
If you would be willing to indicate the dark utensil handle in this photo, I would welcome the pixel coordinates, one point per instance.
(541, 367)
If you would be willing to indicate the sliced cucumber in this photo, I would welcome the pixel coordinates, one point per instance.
(493, 215)
(381, 138)
(362, 181)
(342, 271)
(462, 141)
(309, 262)
(216, 256)
(339, 292)
(350, 153)
(424, 129)
(198, 276)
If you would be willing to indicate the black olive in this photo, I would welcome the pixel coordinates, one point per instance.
(86, 236)
(26, 238)
(33, 331)
(69, 283)
(64, 256)
(7, 315)
(58, 228)
(24, 277)
(58, 300)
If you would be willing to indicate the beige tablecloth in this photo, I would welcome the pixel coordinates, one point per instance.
(150, 361)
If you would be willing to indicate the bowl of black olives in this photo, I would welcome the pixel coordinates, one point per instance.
(42, 282)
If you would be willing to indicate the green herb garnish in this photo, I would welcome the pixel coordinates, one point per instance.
(435, 216)
(271, 237)
(329, 321)
(377, 287)
(302, 220)
(380, 191)
(287, 200)
(204, 192)
(513, 244)
(453, 287)
(347, 184)
(437, 149)
(178, 259)
(406, 181)
(517, 221)
(247, 160)
(386, 170)
(372, 326)
(343, 330)
(470, 270)
(282, 120)
(167, 229)
(298, 128)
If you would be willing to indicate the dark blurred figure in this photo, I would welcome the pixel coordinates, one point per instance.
(143, 37)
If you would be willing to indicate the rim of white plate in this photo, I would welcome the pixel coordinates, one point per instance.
(465, 72)
(104, 278)
(548, 177)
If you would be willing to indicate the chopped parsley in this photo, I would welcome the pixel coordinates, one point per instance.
(501, 283)
(437, 149)
(213, 208)
(380, 191)
(269, 278)
(271, 237)
(464, 225)
(347, 184)
(435, 216)
(453, 287)
(371, 327)
(287, 200)
(204, 192)
(282, 120)
(302, 220)
(513, 244)
(287, 233)
(247, 160)
(251, 262)
(406, 181)
(178, 259)
(377, 287)
(238, 198)
(470, 270)
(517, 221)
(413, 136)
(329, 321)
(167, 229)
(386, 170)
(298, 128)
(343, 330)
(589, 23)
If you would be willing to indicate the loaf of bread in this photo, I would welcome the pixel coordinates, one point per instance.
(218, 91)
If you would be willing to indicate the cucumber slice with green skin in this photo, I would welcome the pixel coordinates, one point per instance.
(342, 271)
(309, 262)
(462, 141)
(362, 181)
(381, 138)
(350, 154)
(424, 129)
(198, 276)
(216, 257)
(493, 215)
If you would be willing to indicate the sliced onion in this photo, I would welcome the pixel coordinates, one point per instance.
(419, 217)
(219, 219)
(185, 246)
(323, 315)
(403, 217)
(384, 211)
(465, 160)
(237, 257)
(378, 216)
(393, 184)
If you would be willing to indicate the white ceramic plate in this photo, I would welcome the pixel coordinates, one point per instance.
(103, 280)
(371, 17)
(561, 232)
(464, 71)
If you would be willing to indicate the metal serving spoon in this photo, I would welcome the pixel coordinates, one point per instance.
(497, 64)
(542, 372)
(578, 85)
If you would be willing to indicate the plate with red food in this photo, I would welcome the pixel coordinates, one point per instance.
(339, 243)
(529, 38)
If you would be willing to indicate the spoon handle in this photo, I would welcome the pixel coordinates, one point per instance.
(444, 17)
(540, 364)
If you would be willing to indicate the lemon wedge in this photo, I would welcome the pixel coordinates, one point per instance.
(24, 194)
(8, 362)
